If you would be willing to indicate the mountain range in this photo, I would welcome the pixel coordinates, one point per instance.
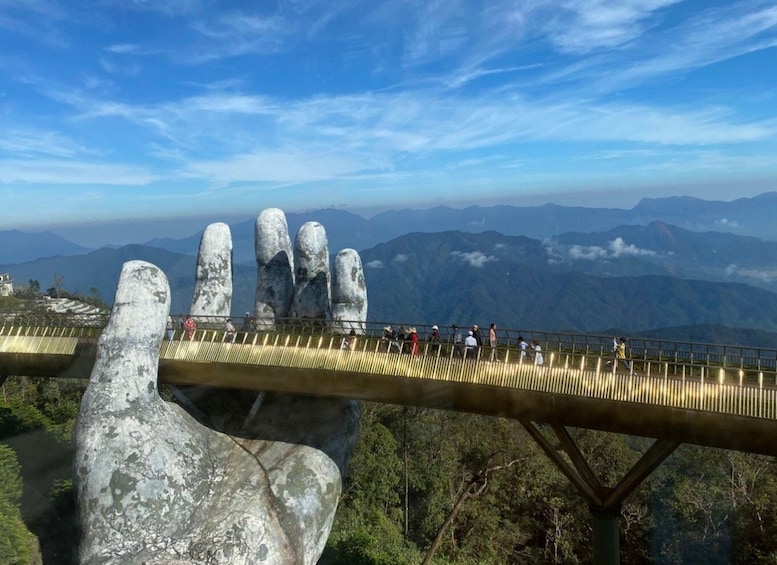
(744, 216)
(636, 278)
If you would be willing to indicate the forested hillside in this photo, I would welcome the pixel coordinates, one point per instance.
(429, 484)
(463, 278)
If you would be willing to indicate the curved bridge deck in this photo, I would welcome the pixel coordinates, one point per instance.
(673, 399)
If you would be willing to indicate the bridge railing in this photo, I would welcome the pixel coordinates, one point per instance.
(732, 363)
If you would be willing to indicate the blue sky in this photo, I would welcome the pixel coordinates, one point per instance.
(186, 108)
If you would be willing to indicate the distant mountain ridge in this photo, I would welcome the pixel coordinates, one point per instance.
(637, 277)
(465, 278)
(744, 216)
(18, 246)
(462, 278)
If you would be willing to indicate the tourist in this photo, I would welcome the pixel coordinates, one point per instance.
(412, 337)
(231, 332)
(170, 328)
(620, 352)
(386, 339)
(458, 342)
(523, 346)
(435, 339)
(538, 359)
(349, 342)
(190, 326)
(492, 343)
(477, 335)
(247, 325)
(471, 345)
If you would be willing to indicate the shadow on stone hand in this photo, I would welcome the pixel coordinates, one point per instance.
(294, 419)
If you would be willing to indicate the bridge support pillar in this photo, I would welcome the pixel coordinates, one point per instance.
(606, 535)
(605, 502)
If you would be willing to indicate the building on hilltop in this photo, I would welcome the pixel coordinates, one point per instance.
(6, 285)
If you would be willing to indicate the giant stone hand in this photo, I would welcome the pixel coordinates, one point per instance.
(258, 484)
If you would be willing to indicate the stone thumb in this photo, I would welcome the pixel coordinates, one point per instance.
(128, 351)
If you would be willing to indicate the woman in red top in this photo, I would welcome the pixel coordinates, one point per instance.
(190, 326)
(413, 341)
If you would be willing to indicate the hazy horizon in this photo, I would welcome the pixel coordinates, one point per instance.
(97, 233)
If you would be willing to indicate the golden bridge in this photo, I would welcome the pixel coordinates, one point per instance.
(704, 394)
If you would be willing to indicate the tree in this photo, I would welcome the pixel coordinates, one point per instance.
(17, 545)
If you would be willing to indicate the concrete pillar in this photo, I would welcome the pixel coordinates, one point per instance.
(606, 538)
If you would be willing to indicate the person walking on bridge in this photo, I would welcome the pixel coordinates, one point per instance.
(413, 338)
(477, 335)
(190, 326)
(435, 339)
(170, 328)
(523, 346)
(620, 352)
(247, 323)
(230, 331)
(538, 359)
(458, 342)
(492, 343)
(471, 345)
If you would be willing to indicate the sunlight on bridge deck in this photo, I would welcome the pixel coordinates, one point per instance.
(578, 390)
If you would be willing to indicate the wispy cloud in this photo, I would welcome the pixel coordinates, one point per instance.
(582, 26)
(763, 275)
(40, 143)
(72, 172)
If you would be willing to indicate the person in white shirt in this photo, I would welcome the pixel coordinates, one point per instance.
(538, 360)
(231, 331)
(471, 346)
(523, 346)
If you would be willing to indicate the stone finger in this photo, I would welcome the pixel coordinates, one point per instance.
(274, 268)
(213, 283)
(349, 292)
(311, 274)
(128, 351)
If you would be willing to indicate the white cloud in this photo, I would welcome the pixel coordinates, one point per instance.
(615, 248)
(473, 258)
(581, 26)
(401, 258)
(587, 252)
(618, 247)
(726, 223)
(376, 264)
(765, 275)
(290, 166)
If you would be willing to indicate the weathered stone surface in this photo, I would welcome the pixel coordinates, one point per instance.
(311, 275)
(213, 284)
(349, 292)
(274, 268)
(156, 486)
